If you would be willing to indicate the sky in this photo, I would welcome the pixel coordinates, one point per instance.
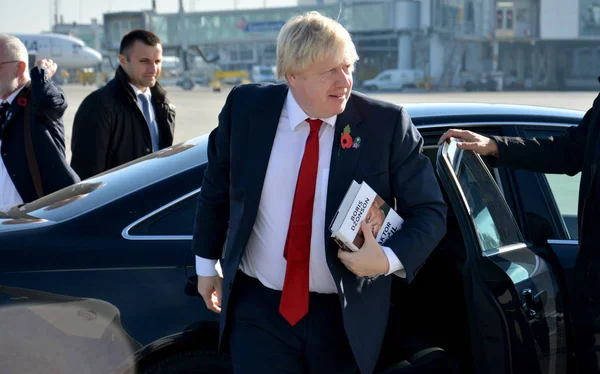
(34, 16)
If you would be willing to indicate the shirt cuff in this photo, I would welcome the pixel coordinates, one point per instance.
(396, 266)
(206, 267)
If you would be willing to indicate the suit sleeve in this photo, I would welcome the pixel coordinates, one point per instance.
(91, 134)
(48, 100)
(559, 155)
(212, 212)
(419, 200)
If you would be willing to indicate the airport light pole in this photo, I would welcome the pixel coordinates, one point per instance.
(187, 83)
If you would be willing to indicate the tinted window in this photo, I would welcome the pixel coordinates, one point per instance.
(176, 220)
(491, 216)
(499, 19)
(509, 19)
(565, 190)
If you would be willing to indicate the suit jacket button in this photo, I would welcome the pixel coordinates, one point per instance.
(230, 285)
(148, 150)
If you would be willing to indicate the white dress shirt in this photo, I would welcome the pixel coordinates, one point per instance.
(263, 256)
(9, 196)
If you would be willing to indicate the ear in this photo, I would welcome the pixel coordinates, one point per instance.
(21, 67)
(291, 79)
(122, 60)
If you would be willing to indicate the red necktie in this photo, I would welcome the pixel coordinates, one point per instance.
(294, 298)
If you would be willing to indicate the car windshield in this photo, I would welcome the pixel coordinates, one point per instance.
(97, 191)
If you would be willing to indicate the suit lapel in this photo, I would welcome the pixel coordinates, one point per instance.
(14, 112)
(343, 160)
(16, 107)
(262, 128)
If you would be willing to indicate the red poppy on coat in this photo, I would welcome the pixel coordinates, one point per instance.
(346, 141)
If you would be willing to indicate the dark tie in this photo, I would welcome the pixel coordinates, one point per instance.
(151, 124)
(3, 111)
(294, 297)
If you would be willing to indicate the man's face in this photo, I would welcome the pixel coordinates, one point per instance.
(142, 64)
(374, 220)
(323, 89)
(9, 77)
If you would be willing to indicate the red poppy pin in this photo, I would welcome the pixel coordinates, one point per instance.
(22, 101)
(346, 140)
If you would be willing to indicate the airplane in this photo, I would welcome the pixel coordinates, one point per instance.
(67, 51)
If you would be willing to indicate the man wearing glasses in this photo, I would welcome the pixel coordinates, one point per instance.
(32, 141)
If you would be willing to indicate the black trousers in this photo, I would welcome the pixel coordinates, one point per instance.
(262, 341)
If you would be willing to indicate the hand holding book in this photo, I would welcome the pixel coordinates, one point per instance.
(363, 204)
(370, 260)
(362, 224)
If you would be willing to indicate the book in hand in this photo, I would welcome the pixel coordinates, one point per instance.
(362, 203)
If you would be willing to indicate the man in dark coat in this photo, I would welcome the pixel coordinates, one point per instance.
(578, 150)
(21, 90)
(128, 118)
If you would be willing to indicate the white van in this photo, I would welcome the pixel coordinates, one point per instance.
(263, 73)
(395, 79)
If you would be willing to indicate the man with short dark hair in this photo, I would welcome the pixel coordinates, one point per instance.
(129, 117)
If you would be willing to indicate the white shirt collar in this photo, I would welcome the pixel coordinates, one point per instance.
(296, 115)
(137, 91)
(13, 95)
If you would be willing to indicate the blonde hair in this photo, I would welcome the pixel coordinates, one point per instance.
(310, 38)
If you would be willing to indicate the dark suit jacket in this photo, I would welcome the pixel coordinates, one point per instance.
(47, 105)
(389, 159)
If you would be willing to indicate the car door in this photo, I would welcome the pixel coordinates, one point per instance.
(104, 276)
(514, 306)
(549, 204)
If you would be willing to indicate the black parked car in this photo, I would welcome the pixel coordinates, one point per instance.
(99, 277)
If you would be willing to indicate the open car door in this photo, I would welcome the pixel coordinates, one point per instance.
(514, 307)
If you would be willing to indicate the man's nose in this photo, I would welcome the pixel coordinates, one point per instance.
(344, 79)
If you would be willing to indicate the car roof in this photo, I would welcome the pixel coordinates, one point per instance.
(109, 186)
(424, 113)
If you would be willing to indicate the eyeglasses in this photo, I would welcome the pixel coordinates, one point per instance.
(8, 62)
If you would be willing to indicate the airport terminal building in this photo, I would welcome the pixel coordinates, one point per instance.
(388, 34)
(532, 43)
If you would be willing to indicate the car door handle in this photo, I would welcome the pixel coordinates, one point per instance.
(533, 304)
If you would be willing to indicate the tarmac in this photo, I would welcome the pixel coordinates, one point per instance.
(197, 110)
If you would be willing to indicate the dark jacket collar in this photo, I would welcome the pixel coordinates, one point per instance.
(158, 92)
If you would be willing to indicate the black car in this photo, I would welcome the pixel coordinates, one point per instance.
(99, 277)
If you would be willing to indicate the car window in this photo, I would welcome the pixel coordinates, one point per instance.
(491, 216)
(173, 220)
(565, 190)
